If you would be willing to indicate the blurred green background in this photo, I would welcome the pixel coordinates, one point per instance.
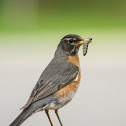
(65, 15)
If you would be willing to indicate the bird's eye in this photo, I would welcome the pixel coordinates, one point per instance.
(71, 40)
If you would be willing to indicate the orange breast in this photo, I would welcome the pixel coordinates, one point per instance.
(68, 91)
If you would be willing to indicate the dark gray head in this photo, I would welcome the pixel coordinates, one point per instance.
(70, 44)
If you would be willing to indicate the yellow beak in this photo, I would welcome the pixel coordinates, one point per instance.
(80, 42)
(83, 41)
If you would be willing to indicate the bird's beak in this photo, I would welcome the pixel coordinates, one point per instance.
(89, 40)
(80, 42)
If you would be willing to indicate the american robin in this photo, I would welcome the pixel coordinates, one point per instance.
(58, 83)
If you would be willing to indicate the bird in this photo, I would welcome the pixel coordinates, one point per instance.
(58, 83)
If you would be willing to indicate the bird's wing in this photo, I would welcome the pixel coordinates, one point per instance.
(52, 80)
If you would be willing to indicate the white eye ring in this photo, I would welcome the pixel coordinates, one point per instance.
(71, 41)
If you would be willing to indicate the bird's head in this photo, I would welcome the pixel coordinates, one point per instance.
(70, 44)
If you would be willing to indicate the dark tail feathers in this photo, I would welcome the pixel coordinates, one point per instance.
(22, 117)
(40, 104)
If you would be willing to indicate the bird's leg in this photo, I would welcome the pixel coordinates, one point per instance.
(56, 112)
(47, 113)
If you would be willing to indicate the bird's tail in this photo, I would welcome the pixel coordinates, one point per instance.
(22, 117)
(34, 107)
